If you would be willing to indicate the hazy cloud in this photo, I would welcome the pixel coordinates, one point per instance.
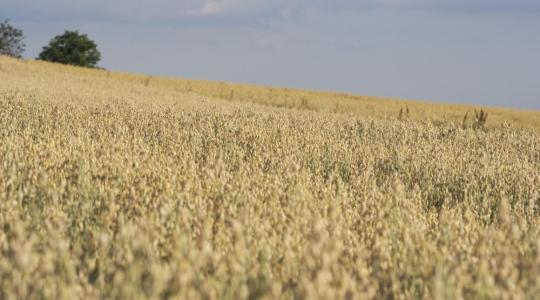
(166, 10)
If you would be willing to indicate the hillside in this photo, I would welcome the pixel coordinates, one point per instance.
(125, 186)
(171, 90)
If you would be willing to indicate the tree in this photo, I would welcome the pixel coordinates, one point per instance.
(11, 40)
(71, 48)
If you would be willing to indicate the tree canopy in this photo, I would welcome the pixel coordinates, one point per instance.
(71, 48)
(11, 40)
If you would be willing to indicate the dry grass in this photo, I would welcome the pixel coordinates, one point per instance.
(118, 186)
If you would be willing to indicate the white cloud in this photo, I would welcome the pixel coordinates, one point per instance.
(242, 7)
(209, 8)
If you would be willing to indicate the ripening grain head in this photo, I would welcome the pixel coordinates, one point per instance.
(115, 188)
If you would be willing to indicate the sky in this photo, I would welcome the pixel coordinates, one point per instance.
(484, 52)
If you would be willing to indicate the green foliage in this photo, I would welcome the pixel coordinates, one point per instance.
(71, 48)
(11, 40)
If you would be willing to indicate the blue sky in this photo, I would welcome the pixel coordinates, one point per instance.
(457, 51)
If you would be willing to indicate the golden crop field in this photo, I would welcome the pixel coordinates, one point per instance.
(132, 187)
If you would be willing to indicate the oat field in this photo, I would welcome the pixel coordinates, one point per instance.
(119, 186)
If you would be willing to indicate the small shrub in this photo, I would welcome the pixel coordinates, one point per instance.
(147, 81)
(404, 113)
(480, 119)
